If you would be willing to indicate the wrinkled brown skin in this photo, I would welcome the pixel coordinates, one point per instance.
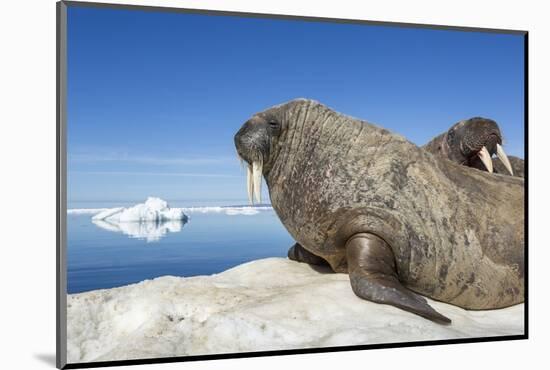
(472, 132)
(456, 235)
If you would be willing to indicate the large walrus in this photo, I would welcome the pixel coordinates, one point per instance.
(393, 216)
(472, 143)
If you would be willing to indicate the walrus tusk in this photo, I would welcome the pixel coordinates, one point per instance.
(257, 180)
(249, 183)
(504, 159)
(486, 159)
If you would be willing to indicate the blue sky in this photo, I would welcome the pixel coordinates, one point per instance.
(155, 98)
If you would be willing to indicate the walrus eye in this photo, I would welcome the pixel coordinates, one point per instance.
(274, 126)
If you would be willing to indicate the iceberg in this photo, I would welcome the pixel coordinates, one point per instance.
(268, 304)
(153, 219)
(150, 220)
(154, 209)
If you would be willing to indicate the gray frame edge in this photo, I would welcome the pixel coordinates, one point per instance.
(61, 190)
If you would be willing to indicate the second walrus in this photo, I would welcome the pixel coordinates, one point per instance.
(472, 143)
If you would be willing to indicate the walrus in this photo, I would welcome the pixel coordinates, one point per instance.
(472, 143)
(401, 222)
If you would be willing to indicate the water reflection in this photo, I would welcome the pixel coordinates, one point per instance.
(151, 231)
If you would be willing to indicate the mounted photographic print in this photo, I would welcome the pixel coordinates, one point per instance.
(234, 184)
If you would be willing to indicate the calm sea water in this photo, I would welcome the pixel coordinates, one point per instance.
(102, 256)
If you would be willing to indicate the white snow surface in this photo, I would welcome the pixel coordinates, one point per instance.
(268, 304)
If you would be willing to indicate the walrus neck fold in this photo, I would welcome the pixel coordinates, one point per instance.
(299, 136)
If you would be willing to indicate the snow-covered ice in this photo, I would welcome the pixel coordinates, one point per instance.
(268, 304)
(154, 209)
(155, 218)
(150, 220)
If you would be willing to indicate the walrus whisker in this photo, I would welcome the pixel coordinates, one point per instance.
(504, 159)
(485, 157)
(241, 161)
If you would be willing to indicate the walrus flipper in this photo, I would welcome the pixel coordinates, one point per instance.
(373, 276)
(300, 254)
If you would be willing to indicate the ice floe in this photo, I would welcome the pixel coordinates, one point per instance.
(85, 211)
(268, 304)
(229, 210)
(154, 209)
(153, 219)
(104, 213)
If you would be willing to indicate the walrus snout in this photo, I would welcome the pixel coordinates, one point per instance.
(253, 141)
(479, 139)
(481, 132)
